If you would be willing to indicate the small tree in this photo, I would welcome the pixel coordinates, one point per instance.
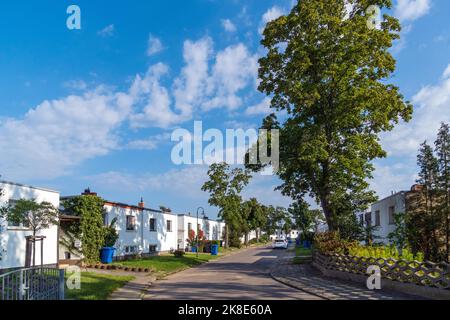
(399, 236)
(111, 234)
(305, 219)
(224, 187)
(192, 239)
(3, 212)
(33, 215)
(443, 152)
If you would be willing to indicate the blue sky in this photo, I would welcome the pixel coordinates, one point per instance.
(95, 107)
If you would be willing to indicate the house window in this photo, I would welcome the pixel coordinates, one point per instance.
(131, 223)
(152, 248)
(169, 225)
(153, 225)
(131, 249)
(377, 218)
(361, 220)
(391, 215)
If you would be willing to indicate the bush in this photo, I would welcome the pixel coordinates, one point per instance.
(385, 252)
(179, 253)
(330, 243)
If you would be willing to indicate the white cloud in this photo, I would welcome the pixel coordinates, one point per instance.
(57, 135)
(150, 143)
(155, 98)
(235, 68)
(393, 178)
(270, 15)
(154, 45)
(410, 10)
(190, 86)
(107, 31)
(432, 106)
(75, 84)
(228, 25)
(186, 183)
(446, 72)
(261, 108)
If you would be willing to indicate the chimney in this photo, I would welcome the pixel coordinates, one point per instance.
(417, 188)
(141, 204)
(87, 192)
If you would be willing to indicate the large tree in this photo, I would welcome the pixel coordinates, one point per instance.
(443, 153)
(327, 73)
(225, 186)
(255, 215)
(304, 217)
(429, 179)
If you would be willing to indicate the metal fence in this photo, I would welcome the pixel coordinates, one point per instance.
(32, 284)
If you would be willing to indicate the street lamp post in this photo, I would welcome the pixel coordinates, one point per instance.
(198, 229)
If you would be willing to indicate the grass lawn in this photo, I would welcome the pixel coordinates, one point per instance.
(97, 286)
(302, 255)
(165, 264)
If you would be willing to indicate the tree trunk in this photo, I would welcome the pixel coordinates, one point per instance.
(328, 213)
(34, 248)
(227, 229)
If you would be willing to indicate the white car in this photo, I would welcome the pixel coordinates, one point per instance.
(280, 244)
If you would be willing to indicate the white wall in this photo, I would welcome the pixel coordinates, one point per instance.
(213, 229)
(14, 238)
(398, 202)
(142, 237)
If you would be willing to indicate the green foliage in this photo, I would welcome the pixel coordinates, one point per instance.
(305, 219)
(179, 253)
(399, 236)
(91, 229)
(442, 148)
(331, 243)
(330, 74)
(33, 215)
(111, 234)
(254, 216)
(427, 223)
(224, 187)
(386, 252)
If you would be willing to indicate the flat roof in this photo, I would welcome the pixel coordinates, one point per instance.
(27, 186)
(195, 217)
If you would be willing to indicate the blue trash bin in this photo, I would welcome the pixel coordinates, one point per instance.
(194, 249)
(107, 254)
(214, 250)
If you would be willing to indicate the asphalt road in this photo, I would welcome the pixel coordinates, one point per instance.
(243, 275)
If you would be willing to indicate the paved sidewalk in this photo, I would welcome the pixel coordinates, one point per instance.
(307, 278)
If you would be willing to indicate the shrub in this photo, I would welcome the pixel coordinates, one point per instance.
(330, 242)
(179, 253)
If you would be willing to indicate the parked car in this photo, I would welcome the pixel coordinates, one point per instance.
(280, 244)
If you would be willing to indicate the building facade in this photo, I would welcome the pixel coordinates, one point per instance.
(13, 237)
(382, 216)
(212, 229)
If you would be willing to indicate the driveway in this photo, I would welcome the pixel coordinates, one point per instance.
(244, 275)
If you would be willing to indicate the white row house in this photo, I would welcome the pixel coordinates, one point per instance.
(148, 231)
(13, 243)
(141, 230)
(212, 230)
